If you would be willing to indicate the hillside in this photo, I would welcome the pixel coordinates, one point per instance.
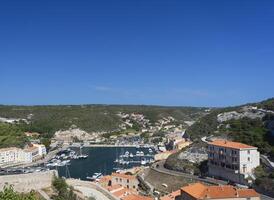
(91, 118)
(251, 123)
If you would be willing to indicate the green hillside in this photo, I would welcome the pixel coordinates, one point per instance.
(49, 119)
(256, 132)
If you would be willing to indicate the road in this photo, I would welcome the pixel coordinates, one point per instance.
(159, 167)
(91, 189)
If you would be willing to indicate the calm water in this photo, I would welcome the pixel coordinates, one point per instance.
(101, 159)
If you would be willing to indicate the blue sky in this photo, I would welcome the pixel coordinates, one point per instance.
(172, 52)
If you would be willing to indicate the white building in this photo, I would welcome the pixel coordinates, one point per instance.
(14, 156)
(41, 149)
(232, 160)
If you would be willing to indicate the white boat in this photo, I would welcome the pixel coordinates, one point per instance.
(150, 150)
(131, 155)
(95, 177)
(143, 162)
(83, 156)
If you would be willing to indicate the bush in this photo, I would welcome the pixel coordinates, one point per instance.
(64, 192)
(9, 194)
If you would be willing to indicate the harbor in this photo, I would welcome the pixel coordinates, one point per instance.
(90, 163)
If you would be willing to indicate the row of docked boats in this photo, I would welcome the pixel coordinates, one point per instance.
(142, 161)
(65, 157)
(138, 154)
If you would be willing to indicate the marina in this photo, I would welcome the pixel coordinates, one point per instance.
(90, 163)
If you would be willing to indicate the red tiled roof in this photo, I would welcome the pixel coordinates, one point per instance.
(171, 196)
(200, 191)
(123, 176)
(229, 144)
(136, 197)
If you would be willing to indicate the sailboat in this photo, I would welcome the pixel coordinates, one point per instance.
(82, 156)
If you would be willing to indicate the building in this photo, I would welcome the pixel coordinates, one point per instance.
(127, 181)
(232, 160)
(10, 156)
(15, 156)
(172, 196)
(198, 191)
(42, 151)
(182, 144)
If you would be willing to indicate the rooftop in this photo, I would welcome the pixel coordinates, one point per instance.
(230, 144)
(136, 197)
(123, 176)
(171, 196)
(200, 191)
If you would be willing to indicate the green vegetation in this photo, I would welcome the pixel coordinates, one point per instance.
(264, 179)
(46, 120)
(9, 194)
(11, 135)
(173, 163)
(252, 132)
(267, 104)
(205, 126)
(62, 190)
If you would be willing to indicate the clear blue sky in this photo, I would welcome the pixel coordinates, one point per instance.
(183, 52)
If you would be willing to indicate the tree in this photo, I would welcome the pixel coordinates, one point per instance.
(64, 192)
(8, 193)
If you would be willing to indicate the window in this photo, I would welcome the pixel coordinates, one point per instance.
(248, 158)
(127, 181)
(134, 187)
(248, 151)
(127, 186)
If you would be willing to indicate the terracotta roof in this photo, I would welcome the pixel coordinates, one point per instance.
(136, 197)
(123, 176)
(229, 144)
(105, 179)
(200, 191)
(171, 196)
(114, 187)
(122, 193)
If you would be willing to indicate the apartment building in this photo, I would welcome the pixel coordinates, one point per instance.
(10, 156)
(199, 191)
(232, 161)
(14, 156)
(127, 181)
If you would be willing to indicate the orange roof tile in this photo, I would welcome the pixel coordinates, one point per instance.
(230, 144)
(105, 179)
(171, 196)
(114, 187)
(121, 193)
(136, 197)
(200, 191)
(123, 176)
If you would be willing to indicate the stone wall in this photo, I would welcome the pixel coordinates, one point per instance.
(28, 182)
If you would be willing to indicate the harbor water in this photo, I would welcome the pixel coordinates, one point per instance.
(102, 160)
